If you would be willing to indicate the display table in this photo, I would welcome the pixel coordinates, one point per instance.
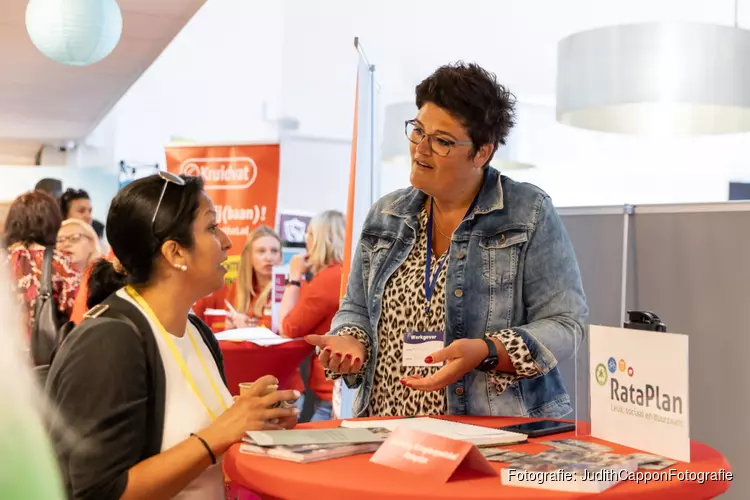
(247, 362)
(356, 478)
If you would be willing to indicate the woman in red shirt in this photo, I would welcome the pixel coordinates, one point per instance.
(250, 294)
(308, 308)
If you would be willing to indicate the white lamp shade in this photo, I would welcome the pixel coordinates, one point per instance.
(74, 32)
(655, 79)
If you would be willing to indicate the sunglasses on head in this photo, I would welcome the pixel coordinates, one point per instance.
(169, 178)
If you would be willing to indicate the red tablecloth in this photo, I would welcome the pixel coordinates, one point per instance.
(247, 362)
(356, 478)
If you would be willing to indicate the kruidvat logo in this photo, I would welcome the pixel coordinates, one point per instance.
(222, 173)
(645, 396)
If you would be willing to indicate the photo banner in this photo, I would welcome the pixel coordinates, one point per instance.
(364, 186)
(242, 181)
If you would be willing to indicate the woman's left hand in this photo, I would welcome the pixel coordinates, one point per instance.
(460, 357)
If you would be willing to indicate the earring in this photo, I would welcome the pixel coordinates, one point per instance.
(181, 267)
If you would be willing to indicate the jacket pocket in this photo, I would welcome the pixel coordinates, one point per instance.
(374, 251)
(500, 254)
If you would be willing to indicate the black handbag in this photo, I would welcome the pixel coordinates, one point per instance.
(45, 335)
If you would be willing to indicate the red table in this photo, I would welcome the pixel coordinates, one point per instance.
(247, 362)
(355, 478)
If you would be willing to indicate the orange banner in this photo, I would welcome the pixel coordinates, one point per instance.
(242, 181)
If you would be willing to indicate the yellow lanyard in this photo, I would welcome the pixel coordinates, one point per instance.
(177, 356)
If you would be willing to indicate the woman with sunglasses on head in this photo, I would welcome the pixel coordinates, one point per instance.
(466, 254)
(139, 383)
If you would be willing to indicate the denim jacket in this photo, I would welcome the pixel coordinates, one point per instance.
(511, 265)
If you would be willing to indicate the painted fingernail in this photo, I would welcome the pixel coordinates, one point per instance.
(428, 359)
(356, 360)
(338, 354)
(329, 351)
(403, 382)
(348, 356)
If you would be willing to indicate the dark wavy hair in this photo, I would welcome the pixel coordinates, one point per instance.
(68, 197)
(33, 217)
(134, 241)
(472, 95)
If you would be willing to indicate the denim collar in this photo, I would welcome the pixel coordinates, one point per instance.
(490, 198)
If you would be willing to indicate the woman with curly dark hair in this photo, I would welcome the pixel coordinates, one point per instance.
(75, 203)
(31, 225)
(466, 258)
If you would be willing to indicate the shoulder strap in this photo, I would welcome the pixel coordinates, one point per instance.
(46, 281)
(116, 307)
(210, 340)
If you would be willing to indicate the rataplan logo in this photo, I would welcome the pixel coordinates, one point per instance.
(645, 397)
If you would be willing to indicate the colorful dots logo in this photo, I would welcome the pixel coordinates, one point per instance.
(622, 365)
(630, 371)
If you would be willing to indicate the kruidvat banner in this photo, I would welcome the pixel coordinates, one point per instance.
(242, 181)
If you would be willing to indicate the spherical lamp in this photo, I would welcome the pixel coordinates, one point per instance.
(74, 32)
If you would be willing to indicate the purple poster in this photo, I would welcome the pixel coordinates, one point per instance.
(292, 226)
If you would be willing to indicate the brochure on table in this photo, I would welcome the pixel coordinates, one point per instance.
(638, 389)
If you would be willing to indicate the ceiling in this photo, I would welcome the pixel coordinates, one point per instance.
(45, 102)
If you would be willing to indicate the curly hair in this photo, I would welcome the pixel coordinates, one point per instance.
(472, 95)
(68, 197)
(33, 217)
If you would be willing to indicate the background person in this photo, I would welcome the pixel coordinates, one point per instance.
(76, 203)
(309, 307)
(250, 294)
(32, 225)
(79, 240)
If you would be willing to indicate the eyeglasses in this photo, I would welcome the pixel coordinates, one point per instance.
(169, 178)
(441, 146)
(72, 239)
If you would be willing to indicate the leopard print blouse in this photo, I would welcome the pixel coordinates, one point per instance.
(403, 309)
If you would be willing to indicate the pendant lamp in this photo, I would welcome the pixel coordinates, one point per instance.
(656, 79)
(74, 32)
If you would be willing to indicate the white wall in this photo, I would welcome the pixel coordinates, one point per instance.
(298, 57)
(209, 85)
(101, 184)
(516, 39)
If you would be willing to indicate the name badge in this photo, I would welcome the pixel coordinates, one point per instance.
(419, 345)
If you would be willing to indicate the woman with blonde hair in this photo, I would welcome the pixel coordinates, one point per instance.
(79, 240)
(250, 294)
(309, 307)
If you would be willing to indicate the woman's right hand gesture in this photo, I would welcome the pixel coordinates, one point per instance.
(339, 353)
(251, 412)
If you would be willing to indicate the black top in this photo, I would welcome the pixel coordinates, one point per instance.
(108, 383)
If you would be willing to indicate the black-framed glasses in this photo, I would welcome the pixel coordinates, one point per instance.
(439, 144)
(169, 178)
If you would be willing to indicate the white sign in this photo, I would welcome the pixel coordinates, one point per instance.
(639, 390)
(280, 275)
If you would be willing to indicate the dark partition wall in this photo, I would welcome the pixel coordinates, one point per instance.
(601, 272)
(690, 264)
